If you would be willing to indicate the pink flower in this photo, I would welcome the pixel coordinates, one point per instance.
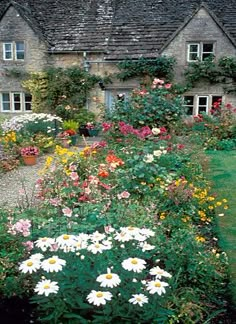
(67, 211)
(74, 176)
(22, 227)
(124, 195)
(55, 201)
(157, 81)
(106, 126)
(29, 245)
(168, 85)
(72, 167)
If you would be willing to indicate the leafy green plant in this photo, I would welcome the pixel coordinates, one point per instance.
(161, 67)
(70, 124)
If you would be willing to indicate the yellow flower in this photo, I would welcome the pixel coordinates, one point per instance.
(163, 216)
(200, 239)
(224, 200)
(218, 203)
(210, 207)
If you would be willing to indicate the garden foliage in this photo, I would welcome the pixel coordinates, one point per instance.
(123, 229)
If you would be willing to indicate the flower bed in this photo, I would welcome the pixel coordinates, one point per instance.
(125, 230)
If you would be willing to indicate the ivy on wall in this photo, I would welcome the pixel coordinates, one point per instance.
(161, 67)
(221, 71)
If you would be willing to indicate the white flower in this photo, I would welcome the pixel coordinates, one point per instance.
(109, 279)
(157, 286)
(44, 243)
(157, 153)
(30, 265)
(148, 158)
(147, 232)
(123, 237)
(134, 264)
(66, 240)
(138, 299)
(156, 131)
(130, 230)
(98, 298)
(96, 236)
(36, 256)
(158, 272)
(80, 244)
(146, 247)
(46, 287)
(107, 244)
(96, 248)
(53, 264)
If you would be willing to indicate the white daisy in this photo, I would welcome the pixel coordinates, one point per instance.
(157, 153)
(96, 248)
(131, 230)
(147, 232)
(80, 244)
(146, 247)
(66, 240)
(53, 264)
(96, 236)
(138, 299)
(30, 265)
(107, 244)
(109, 279)
(37, 256)
(46, 287)
(44, 243)
(157, 286)
(134, 264)
(123, 236)
(158, 272)
(98, 298)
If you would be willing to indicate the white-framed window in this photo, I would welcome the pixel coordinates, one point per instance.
(7, 51)
(15, 102)
(200, 51)
(112, 96)
(14, 51)
(19, 50)
(198, 104)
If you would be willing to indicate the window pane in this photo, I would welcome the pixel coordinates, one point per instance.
(208, 48)
(7, 51)
(202, 100)
(28, 99)
(193, 48)
(6, 102)
(20, 50)
(188, 100)
(17, 101)
(193, 56)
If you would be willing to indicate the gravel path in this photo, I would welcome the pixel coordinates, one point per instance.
(14, 181)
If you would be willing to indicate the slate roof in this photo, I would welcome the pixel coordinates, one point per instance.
(119, 28)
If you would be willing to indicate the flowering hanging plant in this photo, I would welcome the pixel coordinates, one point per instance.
(29, 150)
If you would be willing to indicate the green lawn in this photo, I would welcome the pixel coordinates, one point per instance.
(222, 173)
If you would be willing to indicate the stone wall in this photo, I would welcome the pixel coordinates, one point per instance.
(14, 28)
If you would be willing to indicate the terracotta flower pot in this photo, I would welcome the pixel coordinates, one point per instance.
(29, 159)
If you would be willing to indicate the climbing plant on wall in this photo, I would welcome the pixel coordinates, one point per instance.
(161, 67)
(221, 71)
(57, 88)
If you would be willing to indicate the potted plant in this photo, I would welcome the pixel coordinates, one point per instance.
(70, 132)
(93, 128)
(29, 154)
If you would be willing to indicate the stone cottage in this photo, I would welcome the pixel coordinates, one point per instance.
(97, 34)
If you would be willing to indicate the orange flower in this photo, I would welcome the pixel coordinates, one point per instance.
(114, 161)
(103, 173)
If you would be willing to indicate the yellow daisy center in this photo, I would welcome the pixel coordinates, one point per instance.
(46, 286)
(97, 246)
(157, 284)
(52, 261)
(66, 237)
(29, 263)
(134, 261)
(99, 294)
(109, 276)
(138, 299)
(44, 239)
